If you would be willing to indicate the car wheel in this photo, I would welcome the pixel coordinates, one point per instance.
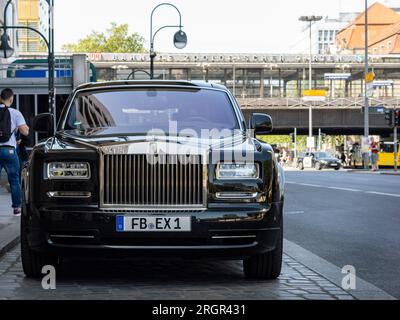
(266, 266)
(337, 169)
(318, 166)
(301, 166)
(32, 261)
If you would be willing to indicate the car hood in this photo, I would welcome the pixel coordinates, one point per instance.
(329, 159)
(139, 143)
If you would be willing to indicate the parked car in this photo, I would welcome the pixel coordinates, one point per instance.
(91, 189)
(319, 161)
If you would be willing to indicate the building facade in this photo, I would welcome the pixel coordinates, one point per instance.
(32, 13)
(260, 75)
(383, 25)
(323, 34)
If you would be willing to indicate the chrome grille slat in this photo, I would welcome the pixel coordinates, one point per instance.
(131, 181)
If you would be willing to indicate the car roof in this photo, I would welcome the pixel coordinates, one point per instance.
(119, 83)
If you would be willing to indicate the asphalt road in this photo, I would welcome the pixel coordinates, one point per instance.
(348, 219)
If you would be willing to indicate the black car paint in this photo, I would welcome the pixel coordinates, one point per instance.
(44, 216)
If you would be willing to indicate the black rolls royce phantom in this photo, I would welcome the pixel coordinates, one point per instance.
(153, 169)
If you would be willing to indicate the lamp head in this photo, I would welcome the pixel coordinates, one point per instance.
(180, 39)
(6, 51)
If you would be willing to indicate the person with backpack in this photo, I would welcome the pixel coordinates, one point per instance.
(11, 121)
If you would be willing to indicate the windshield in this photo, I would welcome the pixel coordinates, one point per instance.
(324, 155)
(140, 111)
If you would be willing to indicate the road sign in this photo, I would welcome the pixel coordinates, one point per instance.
(310, 142)
(375, 110)
(337, 76)
(370, 77)
(365, 144)
(314, 93)
(370, 89)
(383, 83)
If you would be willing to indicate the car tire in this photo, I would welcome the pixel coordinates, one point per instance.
(32, 261)
(337, 169)
(318, 166)
(265, 266)
(301, 166)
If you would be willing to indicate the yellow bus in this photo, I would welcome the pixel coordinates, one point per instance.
(386, 154)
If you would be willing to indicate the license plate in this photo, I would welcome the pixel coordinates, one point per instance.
(334, 164)
(153, 224)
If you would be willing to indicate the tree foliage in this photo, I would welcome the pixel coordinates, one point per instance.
(116, 39)
(285, 140)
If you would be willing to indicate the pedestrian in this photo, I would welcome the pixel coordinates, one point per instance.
(343, 158)
(11, 121)
(374, 148)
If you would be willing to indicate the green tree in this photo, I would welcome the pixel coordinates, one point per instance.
(286, 140)
(116, 39)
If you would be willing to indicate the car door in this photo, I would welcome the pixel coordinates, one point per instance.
(308, 159)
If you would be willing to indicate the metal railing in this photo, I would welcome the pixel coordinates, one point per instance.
(254, 103)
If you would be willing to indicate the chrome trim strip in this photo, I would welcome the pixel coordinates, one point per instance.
(71, 236)
(69, 194)
(234, 237)
(236, 195)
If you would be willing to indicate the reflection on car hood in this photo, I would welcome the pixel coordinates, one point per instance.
(112, 139)
(330, 159)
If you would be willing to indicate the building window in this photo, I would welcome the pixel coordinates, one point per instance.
(320, 35)
(330, 35)
(325, 35)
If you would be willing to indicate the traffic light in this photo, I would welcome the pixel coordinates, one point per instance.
(389, 117)
(293, 138)
(397, 118)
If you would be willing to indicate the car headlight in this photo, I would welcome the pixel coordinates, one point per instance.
(238, 171)
(68, 170)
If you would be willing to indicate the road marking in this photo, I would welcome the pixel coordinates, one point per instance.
(345, 189)
(307, 185)
(293, 212)
(383, 194)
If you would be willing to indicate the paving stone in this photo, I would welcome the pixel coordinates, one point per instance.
(161, 280)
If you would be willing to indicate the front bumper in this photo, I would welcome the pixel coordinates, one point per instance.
(331, 165)
(222, 231)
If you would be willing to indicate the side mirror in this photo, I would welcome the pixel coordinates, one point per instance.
(43, 123)
(261, 123)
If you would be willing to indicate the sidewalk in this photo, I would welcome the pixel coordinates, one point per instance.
(9, 225)
(386, 172)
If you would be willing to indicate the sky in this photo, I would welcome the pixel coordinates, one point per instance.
(212, 26)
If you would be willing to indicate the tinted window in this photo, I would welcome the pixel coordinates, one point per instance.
(139, 111)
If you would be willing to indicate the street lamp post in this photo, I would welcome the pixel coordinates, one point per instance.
(7, 51)
(366, 100)
(132, 74)
(310, 20)
(233, 59)
(180, 37)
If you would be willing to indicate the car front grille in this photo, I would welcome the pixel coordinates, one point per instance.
(130, 180)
